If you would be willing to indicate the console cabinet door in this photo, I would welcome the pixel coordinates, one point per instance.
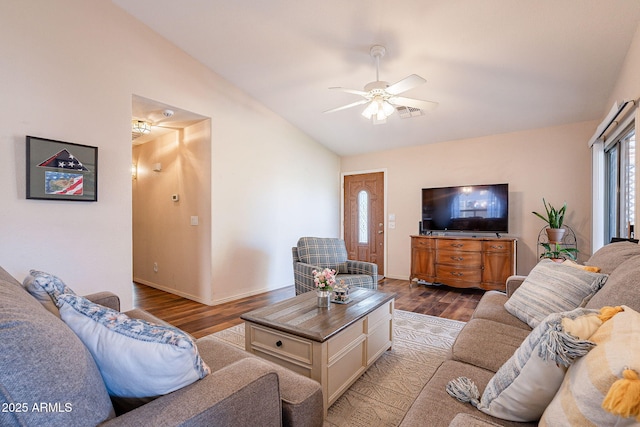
(423, 259)
(498, 264)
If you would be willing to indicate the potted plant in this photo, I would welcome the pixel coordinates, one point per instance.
(557, 252)
(554, 218)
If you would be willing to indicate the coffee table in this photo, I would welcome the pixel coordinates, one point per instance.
(333, 346)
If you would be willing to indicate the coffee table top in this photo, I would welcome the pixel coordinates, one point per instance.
(300, 315)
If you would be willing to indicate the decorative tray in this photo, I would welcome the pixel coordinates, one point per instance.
(335, 301)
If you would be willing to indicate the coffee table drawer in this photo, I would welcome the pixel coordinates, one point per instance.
(345, 338)
(282, 344)
(379, 315)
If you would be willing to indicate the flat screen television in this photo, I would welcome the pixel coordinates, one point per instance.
(471, 208)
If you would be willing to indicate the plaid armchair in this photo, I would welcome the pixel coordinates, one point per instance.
(318, 253)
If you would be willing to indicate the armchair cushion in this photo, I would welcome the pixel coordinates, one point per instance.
(323, 253)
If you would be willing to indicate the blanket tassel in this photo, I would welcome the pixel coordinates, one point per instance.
(563, 348)
(463, 389)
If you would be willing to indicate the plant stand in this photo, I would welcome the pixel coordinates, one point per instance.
(568, 239)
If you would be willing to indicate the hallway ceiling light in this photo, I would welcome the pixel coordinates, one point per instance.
(140, 127)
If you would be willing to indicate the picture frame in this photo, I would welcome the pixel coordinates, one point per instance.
(58, 170)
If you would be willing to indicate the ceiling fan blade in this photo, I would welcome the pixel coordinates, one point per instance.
(344, 107)
(405, 84)
(354, 91)
(415, 103)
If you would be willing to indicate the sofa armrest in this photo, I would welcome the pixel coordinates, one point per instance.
(513, 283)
(105, 298)
(244, 393)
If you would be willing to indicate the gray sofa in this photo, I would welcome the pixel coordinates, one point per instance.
(316, 253)
(48, 377)
(492, 335)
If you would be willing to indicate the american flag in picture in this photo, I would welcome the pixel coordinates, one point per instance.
(63, 159)
(63, 183)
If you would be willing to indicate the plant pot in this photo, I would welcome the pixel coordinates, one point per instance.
(324, 299)
(555, 234)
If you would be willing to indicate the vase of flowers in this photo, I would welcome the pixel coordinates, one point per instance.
(324, 281)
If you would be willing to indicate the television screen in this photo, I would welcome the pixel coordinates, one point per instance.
(476, 208)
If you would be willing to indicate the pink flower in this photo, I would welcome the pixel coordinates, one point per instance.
(324, 279)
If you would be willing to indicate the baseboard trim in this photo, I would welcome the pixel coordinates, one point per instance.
(171, 291)
(202, 301)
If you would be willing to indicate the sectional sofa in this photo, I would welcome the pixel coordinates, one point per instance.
(492, 336)
(49, 377)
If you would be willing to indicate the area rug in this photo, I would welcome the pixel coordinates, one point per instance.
(384, 393)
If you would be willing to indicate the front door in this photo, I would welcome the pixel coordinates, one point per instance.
(364, 218)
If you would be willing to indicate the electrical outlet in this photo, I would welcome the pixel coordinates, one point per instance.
(155, 267)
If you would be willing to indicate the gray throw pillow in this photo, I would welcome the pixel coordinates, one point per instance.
(552, 287)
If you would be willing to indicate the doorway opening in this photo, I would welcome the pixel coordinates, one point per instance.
(171, 199)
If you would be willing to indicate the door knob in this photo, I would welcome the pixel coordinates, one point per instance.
(380, 232)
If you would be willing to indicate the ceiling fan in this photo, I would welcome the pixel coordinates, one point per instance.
(383, 99)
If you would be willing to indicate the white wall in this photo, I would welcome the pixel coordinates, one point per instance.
(68, 70)
(553, 163)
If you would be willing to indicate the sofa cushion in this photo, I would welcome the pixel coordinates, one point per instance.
(44, 362)
(487, 344)
(491, 307)
(434, 407)
(622, 287)
(610, 256)
(588, 381)
(323, 252)
(552, 287)
(136, 358)
(523, 387)
(46, 288)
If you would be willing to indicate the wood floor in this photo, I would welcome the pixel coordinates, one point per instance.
(200, 320)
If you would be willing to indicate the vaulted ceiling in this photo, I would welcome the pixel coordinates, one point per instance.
(494, 66)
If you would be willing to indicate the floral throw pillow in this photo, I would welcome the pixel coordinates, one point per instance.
(46, 288)
(136, 358)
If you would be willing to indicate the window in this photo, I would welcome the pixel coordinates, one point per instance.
(620, 176)
(363, 217)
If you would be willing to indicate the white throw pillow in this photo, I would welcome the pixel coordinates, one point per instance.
(136, 358)
(552, 287)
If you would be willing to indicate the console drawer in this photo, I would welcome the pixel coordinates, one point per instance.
(468, 259)
(448, 273)
(459, 245)
(494, 246)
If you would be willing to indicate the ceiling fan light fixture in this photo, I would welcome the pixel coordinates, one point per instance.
(378, 108)
(388, 108)
(140, 126)
(371, 110)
